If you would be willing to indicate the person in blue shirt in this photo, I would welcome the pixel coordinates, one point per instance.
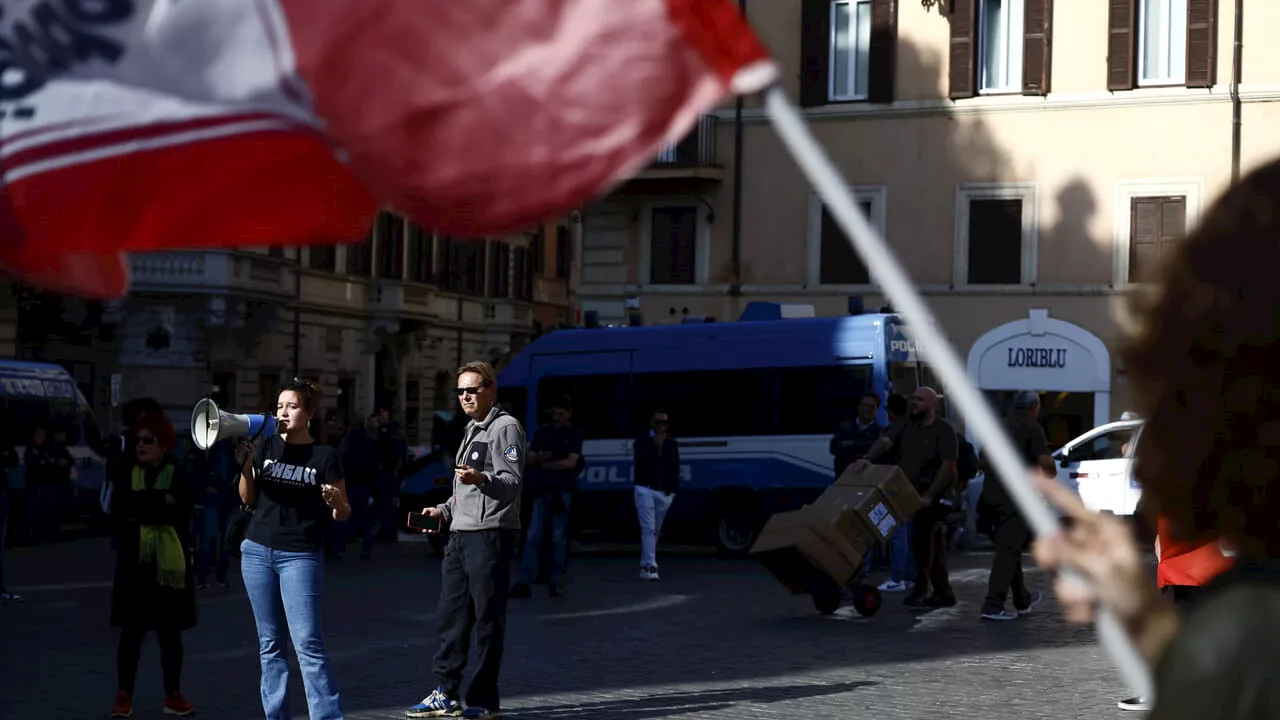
(552, 465)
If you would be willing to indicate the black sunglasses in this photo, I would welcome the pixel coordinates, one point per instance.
(144, 440)
(470, 390)
(661, 422)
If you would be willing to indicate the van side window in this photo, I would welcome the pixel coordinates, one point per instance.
(601, 408)
(712, 403)
(814, 400)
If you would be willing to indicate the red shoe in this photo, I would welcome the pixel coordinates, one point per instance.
(124, 705)
(175, 704)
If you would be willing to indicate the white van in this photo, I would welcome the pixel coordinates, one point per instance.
(1098, 466)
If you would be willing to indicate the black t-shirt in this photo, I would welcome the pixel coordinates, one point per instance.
(290, 513)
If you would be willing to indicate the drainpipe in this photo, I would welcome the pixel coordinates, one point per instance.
(1237, 55)
(297, 311)
(735, 288)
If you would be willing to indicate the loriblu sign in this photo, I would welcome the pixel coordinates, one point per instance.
(1033, 357)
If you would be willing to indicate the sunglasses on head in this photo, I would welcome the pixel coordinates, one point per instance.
(470, 390)
(144, 440)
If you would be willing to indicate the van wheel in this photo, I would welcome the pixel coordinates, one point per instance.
(735, 528)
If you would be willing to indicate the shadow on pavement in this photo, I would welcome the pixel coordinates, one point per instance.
(684, 703)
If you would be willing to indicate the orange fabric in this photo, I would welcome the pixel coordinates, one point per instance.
(1187, 563)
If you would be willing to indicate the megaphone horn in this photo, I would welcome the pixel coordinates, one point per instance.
(209, 424)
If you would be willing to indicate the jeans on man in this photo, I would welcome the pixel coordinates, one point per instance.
(929, 543)
(211, 533)
(651, 510)
(1006, 568)
(552, 507)
(901, 558)
(475, 577)
(360, 524)
(384, 497)
(286, 590)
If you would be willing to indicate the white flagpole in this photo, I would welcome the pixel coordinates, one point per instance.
(922, 328)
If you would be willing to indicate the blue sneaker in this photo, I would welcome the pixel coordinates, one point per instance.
(437, 704)
(479, 713)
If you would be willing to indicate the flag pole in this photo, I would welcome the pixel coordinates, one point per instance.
(923, 330)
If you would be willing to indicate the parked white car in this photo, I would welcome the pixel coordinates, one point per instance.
(1098, 466)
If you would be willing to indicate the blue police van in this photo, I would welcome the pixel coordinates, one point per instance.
(753, 404)
(44, 394)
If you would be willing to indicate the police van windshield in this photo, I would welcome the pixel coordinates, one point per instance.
(21, 416)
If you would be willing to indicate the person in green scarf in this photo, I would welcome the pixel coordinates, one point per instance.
(154, 587)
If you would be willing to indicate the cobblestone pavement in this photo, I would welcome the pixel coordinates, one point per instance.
(714, 639)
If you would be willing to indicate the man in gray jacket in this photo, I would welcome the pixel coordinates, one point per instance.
(484, 519)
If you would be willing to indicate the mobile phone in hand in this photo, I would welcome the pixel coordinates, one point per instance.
(418, 521)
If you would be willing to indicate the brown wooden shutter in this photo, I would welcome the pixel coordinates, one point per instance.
(1122, 23)
(963, 70)
(815, 52)
(884, 41)
(1202, 40)
(1037, 47)
(1156, 225)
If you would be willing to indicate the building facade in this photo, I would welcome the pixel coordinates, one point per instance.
(1027, 161)
(381, 324)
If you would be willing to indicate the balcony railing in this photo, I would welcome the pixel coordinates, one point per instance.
(698, 148)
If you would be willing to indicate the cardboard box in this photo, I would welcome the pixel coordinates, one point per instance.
(805, 554)
(892, 483)
(861, 509)
(858, 535)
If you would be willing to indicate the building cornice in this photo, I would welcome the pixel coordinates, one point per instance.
(1006, 104)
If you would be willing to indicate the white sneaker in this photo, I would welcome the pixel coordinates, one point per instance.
(894, 586)
(1134, 703)
(649, 572)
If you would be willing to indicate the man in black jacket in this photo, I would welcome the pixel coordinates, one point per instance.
(552, 468)
(657, 460)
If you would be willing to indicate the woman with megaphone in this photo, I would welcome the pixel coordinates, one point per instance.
(294, 487)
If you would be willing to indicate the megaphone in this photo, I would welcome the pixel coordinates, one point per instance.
(209, 424)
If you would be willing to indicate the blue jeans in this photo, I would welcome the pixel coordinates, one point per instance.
(211, 533)
(902, 562)
(361, 520)
(554, 507)
(286, 590)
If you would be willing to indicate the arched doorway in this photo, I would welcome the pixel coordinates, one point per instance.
(1069, 366)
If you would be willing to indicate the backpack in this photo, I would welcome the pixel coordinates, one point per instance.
(966, 464)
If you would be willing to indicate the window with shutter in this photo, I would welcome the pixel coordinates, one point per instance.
(420, 255)
(1000, 43)
(1156, 224)
(1162, 42)
(838, 263)
(537, 249)
(359, 257)
(847, 50)
(995, 241)
(499, 269)
(673, 245)
(1122, 19)
(390, 246)
(564, 252)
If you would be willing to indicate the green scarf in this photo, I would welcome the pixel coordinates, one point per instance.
(159, 545)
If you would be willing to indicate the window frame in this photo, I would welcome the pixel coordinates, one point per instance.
(1177, 38)
(1193, 189)
(1015, 35)
(832, 94)
(878, 196)
(702, 243)
(1029, 194)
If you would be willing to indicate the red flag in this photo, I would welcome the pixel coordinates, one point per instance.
(150, 124)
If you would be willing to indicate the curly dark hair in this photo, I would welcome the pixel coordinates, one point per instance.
(1204, 362)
